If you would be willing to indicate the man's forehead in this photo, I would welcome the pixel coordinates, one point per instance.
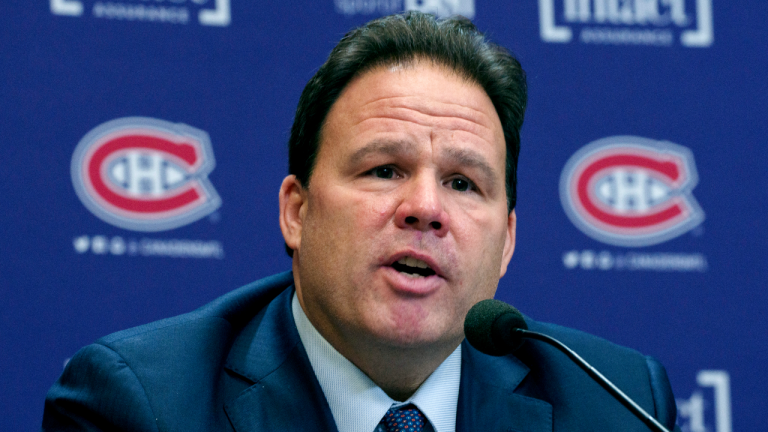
(423, 91)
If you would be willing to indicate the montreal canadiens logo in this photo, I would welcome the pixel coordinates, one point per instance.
(631, 191)
(145, 174)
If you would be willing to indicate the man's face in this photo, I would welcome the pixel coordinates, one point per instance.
(404, 225)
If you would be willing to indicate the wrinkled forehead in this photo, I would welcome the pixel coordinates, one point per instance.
(402, 63)
(417, 84)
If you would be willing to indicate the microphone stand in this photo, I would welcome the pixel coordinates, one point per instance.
(646, 418)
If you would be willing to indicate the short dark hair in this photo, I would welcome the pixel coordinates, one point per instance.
(401, 39)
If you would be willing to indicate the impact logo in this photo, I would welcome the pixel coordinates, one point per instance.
(441, 8)
(145, 174)
(627, 22)
(631, 191)
(209, 12)
(710, 404)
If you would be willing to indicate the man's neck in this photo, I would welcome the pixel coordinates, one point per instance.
(398, 370)
(357, 403)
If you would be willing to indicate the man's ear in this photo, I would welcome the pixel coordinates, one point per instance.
(509, 243)
(292, 202)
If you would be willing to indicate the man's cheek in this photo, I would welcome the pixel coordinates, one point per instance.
(373, 214)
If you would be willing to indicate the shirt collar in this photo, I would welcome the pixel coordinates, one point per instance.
(357, 403)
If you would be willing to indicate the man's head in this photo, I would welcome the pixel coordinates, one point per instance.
(400, 39)
(402, 221)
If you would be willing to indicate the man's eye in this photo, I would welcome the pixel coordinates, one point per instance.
(461, 185)
(384, 172)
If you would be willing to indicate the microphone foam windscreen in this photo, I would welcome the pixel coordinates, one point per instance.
(479, 326)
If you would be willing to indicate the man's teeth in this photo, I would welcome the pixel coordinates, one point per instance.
(412, 262)
(413, 268)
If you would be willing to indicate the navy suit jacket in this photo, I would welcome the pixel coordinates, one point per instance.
(238, 364)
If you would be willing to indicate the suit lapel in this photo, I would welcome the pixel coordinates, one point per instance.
(487, 398)
(284, 394)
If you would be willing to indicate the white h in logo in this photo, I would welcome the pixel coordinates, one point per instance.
(144, 172)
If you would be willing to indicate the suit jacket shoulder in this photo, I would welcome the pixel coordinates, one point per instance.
(555, 394)
(180, 373)
(649, 372)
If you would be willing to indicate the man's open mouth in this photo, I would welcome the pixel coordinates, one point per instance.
(413, 267)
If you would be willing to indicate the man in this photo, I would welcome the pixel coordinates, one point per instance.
(399, 216)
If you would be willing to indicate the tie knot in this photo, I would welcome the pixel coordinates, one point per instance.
(405, 419)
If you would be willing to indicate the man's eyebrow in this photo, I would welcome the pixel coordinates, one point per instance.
(390, 148)
(470, 158)
(460, 157)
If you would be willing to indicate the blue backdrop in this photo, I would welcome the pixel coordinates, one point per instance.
(144, 142)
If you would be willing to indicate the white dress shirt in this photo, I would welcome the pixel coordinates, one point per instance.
(357, 403)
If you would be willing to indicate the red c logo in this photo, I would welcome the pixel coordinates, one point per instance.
(631, 191)
(145, 174)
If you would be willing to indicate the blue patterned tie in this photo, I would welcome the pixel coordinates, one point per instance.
(405, 419)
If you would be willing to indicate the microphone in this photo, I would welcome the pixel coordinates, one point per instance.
(489, 327)
(496, 328)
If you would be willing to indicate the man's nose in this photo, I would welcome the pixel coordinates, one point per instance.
(422, 207)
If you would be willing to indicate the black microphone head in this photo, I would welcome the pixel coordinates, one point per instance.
(489, 324)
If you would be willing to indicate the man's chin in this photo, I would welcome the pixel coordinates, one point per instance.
(416, 338)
